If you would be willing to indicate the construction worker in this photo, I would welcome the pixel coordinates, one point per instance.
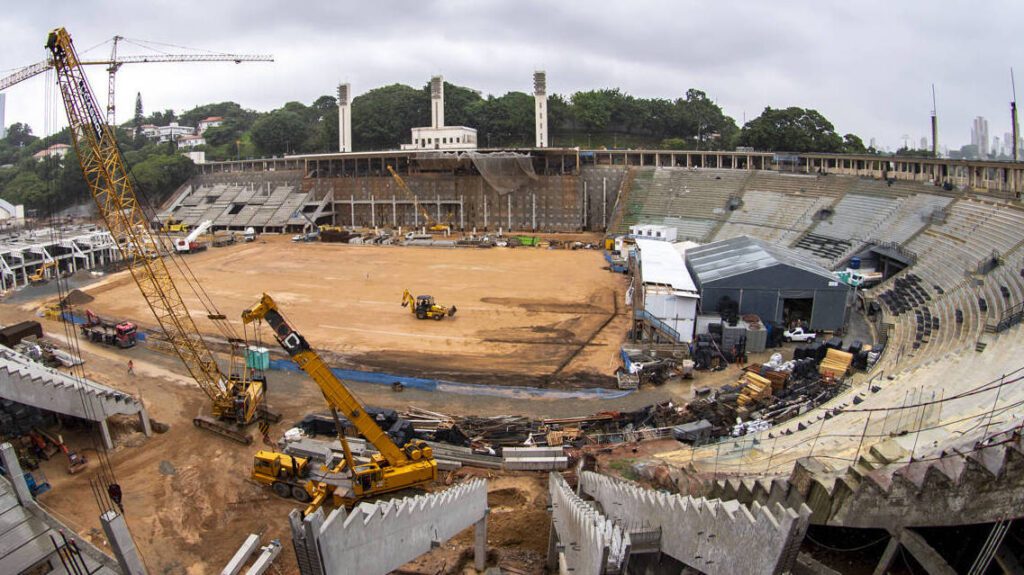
(131, 367)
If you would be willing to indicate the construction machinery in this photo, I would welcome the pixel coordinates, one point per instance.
(115, 62)
(171, 225)
(391, 469)
(287, 475)
(424, 307)
(40, 276)
(237, 396)
(432, 224)
(122, 334)
(189, 243)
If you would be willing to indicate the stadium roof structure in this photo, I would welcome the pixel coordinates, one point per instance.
(742, 255)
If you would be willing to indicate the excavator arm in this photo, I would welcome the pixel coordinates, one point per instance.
(337, 395)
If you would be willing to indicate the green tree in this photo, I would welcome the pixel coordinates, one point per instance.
(26, 188)
(791, 130)
(137, 120)
(457, 104)
(279, 132)
(383, 117)
(852, 144)
(20, 135)
(700, 120)
(503, 121)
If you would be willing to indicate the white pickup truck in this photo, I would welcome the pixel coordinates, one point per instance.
(798, 334)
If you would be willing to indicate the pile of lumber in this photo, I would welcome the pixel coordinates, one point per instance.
(836, 364)
(755, 388)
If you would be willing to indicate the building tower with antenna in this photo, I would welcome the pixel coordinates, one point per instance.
(344, 118)
(1013, 119)
(540, 99)
(935, 125)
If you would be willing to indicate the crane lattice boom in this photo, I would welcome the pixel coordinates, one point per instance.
(107, 177)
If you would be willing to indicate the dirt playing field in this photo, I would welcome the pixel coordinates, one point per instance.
(526, 316)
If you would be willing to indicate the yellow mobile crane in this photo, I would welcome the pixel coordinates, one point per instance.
(434, 225)
(237, 396)
(391, 469)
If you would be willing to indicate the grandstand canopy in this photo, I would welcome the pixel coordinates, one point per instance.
(775, 283)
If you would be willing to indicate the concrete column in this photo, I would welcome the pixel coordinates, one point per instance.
(373, 212)
(352, 208)
(252, 542)
(147, 429)
(887, 556)
(480, 543)
(552, 546)
(122, 544)
(16, 475)
(928, 557)
(394, 212)
(105, 432)
(267, 556)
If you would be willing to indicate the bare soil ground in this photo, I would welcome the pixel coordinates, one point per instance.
(525, 316)
(187, 497)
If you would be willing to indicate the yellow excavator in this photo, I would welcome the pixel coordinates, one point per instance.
(238, 396)
(424, 307)
(40, 277)
(391, 469)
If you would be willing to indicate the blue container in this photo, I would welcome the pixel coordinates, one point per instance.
(855, 263)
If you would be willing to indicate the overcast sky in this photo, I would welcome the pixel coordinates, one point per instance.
(868, 66)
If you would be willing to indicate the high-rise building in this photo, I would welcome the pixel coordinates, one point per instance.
(924, 143)
(3, 121)
(979, 135)
(997, 148)
(873, 143)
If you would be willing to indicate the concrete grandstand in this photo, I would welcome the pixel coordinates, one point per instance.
(929, 437)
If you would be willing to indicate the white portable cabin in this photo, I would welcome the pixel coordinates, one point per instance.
(669, 293)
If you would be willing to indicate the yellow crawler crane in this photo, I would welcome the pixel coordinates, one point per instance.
(392, 469)
(433, 225)
(238, 396)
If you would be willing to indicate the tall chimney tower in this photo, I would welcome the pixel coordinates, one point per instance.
(344, 118)
(540, 99)
(437, 102)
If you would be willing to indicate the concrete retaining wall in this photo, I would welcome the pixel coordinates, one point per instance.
(589, 542)
(715, 537)
(377, 538)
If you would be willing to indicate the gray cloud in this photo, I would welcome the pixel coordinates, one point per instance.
(868, 66)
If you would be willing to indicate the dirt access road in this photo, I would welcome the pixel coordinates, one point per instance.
(526, 316)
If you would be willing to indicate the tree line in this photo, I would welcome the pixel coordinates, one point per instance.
(382, 119)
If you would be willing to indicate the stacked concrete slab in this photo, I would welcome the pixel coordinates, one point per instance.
(588, 542)
(27, 382)
(712, 536)
(377, 538)
(534, 458)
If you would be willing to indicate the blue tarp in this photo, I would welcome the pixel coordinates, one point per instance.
(460, 388)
